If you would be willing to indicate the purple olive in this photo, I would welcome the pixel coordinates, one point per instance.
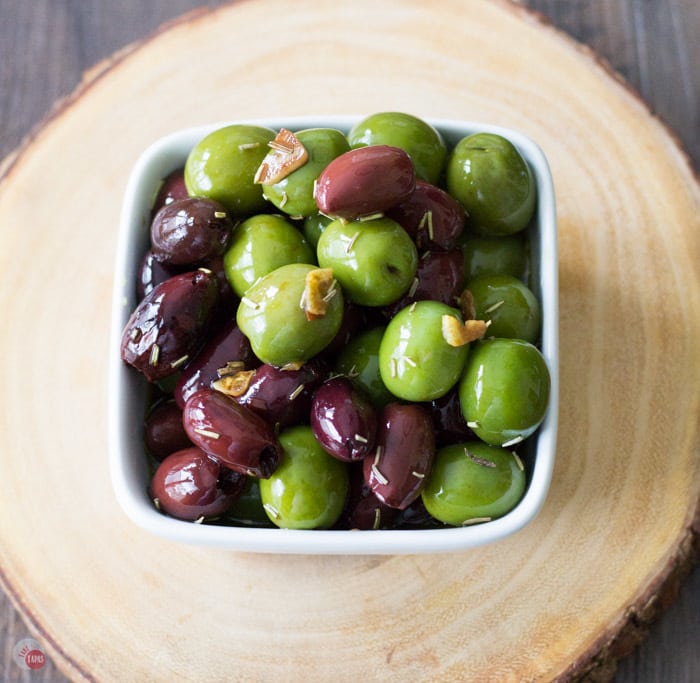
(173, 188)
(189, 230)
(365, 181)
(448, 420)
(343, 421)
(282, 397)
(363, 510)
(190, 485)
(152, 273)
(163, 430)
(168, 326)
(433, 218)
(231, 433)
(403, 458)
(229, 347)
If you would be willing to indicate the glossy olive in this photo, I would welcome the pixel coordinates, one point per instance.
(416, 362)
(490, 178)
(512, 308)
(504, 391)
(448, 421)
(313, 226)
(222, 166)
(271, 316)
(261, 244)
(417, 137)
(309, 488)
(505, 255)
(173, 187)
(473, 482)
(163, 430)
(151, 273)
(247, 509)
(375, 261)
(363, 510)
(232, 434)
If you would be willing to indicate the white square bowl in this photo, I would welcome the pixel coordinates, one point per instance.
(127, 389)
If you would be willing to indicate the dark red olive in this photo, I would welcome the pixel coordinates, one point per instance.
(365, 181)
(189, 230)
(448, 420)
(363, 510)
(343, 421)
(228, 301)
(354, 319)
(163, 430)
(173, 188)
(152, 273)
(190, 485)
(433, 218)
(282, 397)
(440, 277)
(231, 433)
(398, 469)
(168, 326)
(229, 348)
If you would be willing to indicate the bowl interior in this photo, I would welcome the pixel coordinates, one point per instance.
(128, 395)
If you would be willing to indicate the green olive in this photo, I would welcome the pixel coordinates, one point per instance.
(248, 509)
(309, 487)
(222, 166)
(504, 391)
(416, 137)
(313, 226)
(271, 316)
(512, 308)
(416, 363)
(505, 255)
(473, 482)
(259, 245)
(490, 178)
(294, 194)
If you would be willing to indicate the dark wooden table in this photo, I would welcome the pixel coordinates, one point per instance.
(46, 45)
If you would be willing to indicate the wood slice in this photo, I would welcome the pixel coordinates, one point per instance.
(560, 600)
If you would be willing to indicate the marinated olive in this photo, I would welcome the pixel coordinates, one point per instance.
(271, 316)
(163, 430)
(375, 261)
(505, 255)
(167, 327)
(473, 482)
(294, 194)
(313, 226)
(232, 434)
(247, 509)
(190, 485)
(448, 420)
(419, 139)
(190, 230)
(365, 181)
(152, 273)
(512, 308)
(309, 488)
(487, 174)
(343, 421)
(363, 510)
(172, 188)
(260, 245)
(403, 458)
(222, 166)
(504, 391)
(416, 362)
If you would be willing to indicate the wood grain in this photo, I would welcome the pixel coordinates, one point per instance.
(598, 292)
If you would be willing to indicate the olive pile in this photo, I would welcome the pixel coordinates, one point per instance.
(336, 329)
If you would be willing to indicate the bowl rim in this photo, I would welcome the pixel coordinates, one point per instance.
(127, 475)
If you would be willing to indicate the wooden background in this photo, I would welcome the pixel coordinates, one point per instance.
(47, 45)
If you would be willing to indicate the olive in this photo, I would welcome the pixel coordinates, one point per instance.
(359, 360)
(494, 255)
(247, 509)
(294, 194)
(261, 244)
(152, 273)
(354, 320)
(309, 488)
(280, 331)
(190, 230)
(416, 362)
(493, 182)
(473, 482)
(173, 187)
(417, 137)
(232, 434)
(430, 216)
(363, 510)
(402, 460)
(228, 350)
(222, 166)
(343, 421)
(168, 326)
(190, 485)
(163, 430)
(365, 181)
(448, 420)
(375, 261)
(512, 308)
(504, 391)
(313, 226)
(282, 396)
